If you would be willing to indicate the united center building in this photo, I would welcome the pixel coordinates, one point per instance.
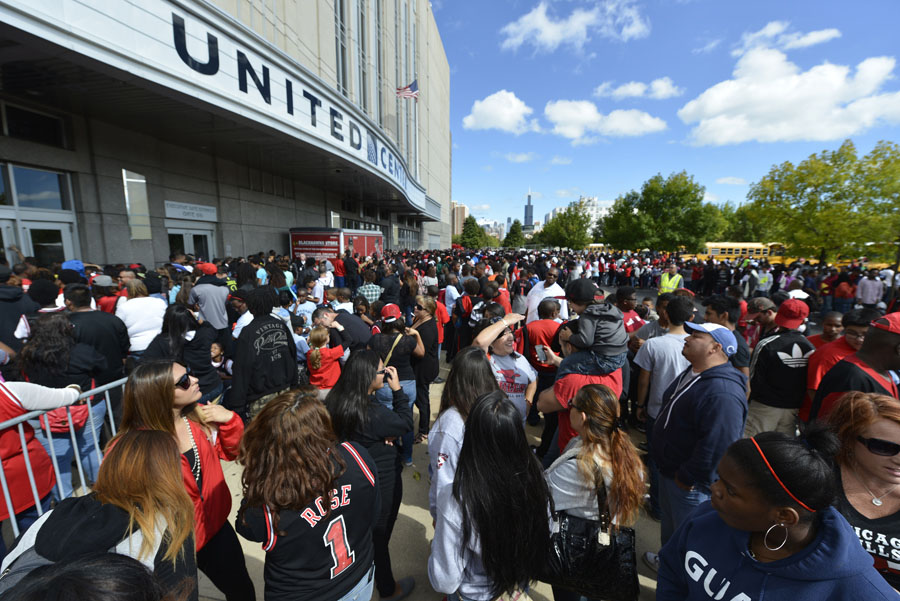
(133, 129)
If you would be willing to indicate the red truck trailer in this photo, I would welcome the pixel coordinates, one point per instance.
(330, 243)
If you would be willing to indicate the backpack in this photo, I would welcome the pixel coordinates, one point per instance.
(23, 565)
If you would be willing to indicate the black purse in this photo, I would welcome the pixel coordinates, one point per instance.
(590, 558)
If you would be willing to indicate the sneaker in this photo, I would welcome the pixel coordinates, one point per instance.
(407, 463)
(651, 560)
(404, 587)
(439, 380)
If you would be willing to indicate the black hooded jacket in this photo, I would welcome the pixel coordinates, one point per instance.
(13, 304)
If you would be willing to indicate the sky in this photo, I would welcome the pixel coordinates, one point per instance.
(594, 97)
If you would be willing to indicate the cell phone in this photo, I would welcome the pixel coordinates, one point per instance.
(541, 353)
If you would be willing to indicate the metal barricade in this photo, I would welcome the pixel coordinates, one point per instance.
(47, 442)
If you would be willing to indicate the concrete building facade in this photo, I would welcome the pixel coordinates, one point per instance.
(138, 128)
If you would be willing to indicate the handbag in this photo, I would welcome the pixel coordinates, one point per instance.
(591, 557)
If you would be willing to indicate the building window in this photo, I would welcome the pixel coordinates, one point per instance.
(137, 205)
(340, 44)
(362, 58)
(379, 70)
(5, 199)
(38, 189)
(33, 126)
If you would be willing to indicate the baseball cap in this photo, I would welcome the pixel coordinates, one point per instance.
(757, 305)
(208, 268)
(720, 334)
(74, 265)
(102, 281)
(581, 290)
(390, 313)
(792, 313)
(892, 325)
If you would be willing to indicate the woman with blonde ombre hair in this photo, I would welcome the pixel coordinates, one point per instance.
(311, 501)
(600, 455)
(161, 395)
(142, 315)
(868, 471)
(138, 508)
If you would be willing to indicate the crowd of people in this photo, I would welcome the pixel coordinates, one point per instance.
(769, 455)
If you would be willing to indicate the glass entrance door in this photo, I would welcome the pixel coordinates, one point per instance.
(8, 238)
(48, 242)
(191, 242)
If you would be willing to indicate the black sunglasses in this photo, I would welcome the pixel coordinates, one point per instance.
(184, 382)
(877, 446)
(420, 308)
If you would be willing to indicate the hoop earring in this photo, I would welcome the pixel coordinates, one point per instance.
(766, 537)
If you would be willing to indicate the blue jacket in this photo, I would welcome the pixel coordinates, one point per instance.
(707, 559)
(695, 426)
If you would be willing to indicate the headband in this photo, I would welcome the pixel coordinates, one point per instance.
(771, 469)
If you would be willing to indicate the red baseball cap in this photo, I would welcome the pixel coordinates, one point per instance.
(208, 268)
(792, 313)
(391, 313)
(892, 325)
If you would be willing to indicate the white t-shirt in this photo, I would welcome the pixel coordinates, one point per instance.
(662, 357)
(143, 317)
(242, 321)
(514, 374)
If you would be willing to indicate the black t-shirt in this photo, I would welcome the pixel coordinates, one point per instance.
(358, 333)
(741, 357)
(426, 368)
(849, 374)
(195, 354)
(108, 335)
(400, 358)
(85, 364)
(314, 555)
(880, 537)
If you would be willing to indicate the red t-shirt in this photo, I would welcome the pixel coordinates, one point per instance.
(633, 321)
(818, 341)
(568, 386)
(327, 375)
(503, 300)
(339, 269)
(442, 318)
(824, 359)
(541, 332)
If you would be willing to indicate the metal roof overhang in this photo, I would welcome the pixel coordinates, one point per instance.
(38, 71)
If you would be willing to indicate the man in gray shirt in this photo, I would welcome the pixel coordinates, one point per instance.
(209, 296)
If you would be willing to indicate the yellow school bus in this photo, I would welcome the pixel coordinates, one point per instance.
(773, 252)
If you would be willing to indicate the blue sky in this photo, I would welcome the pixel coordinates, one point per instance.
(593, 97)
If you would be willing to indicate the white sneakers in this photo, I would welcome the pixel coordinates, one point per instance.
(651, 560)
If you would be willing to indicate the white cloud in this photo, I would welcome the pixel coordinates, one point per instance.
(657, 89)
(732, 181)
(615, 19)
(710, 197)
(558, 160)
(480, 208)
(775, 35)
(708, 47)
(488, 168)
(576, 119)
(520, 157)
(770, 99)
(568, 192)
(501, 110)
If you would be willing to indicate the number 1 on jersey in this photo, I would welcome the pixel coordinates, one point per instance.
(336, 540)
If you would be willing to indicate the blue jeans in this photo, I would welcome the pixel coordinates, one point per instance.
(386, 398)
(676, 505)
(363, 589)
(62, 449)
(212, 394)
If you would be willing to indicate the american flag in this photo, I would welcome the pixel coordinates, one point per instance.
(410, 91)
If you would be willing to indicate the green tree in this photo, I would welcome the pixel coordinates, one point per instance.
(514, 238)
(472, 235)
(571, 228)
(833, 204)
(667, 213)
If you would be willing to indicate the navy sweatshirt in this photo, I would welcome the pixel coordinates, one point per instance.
(698, 421)
(707, 559)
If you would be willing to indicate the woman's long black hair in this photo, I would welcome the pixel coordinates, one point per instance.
(50, 344)
(245, 275)
(502, 494)
(177, 321)
(470, 377)
(348, 401)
